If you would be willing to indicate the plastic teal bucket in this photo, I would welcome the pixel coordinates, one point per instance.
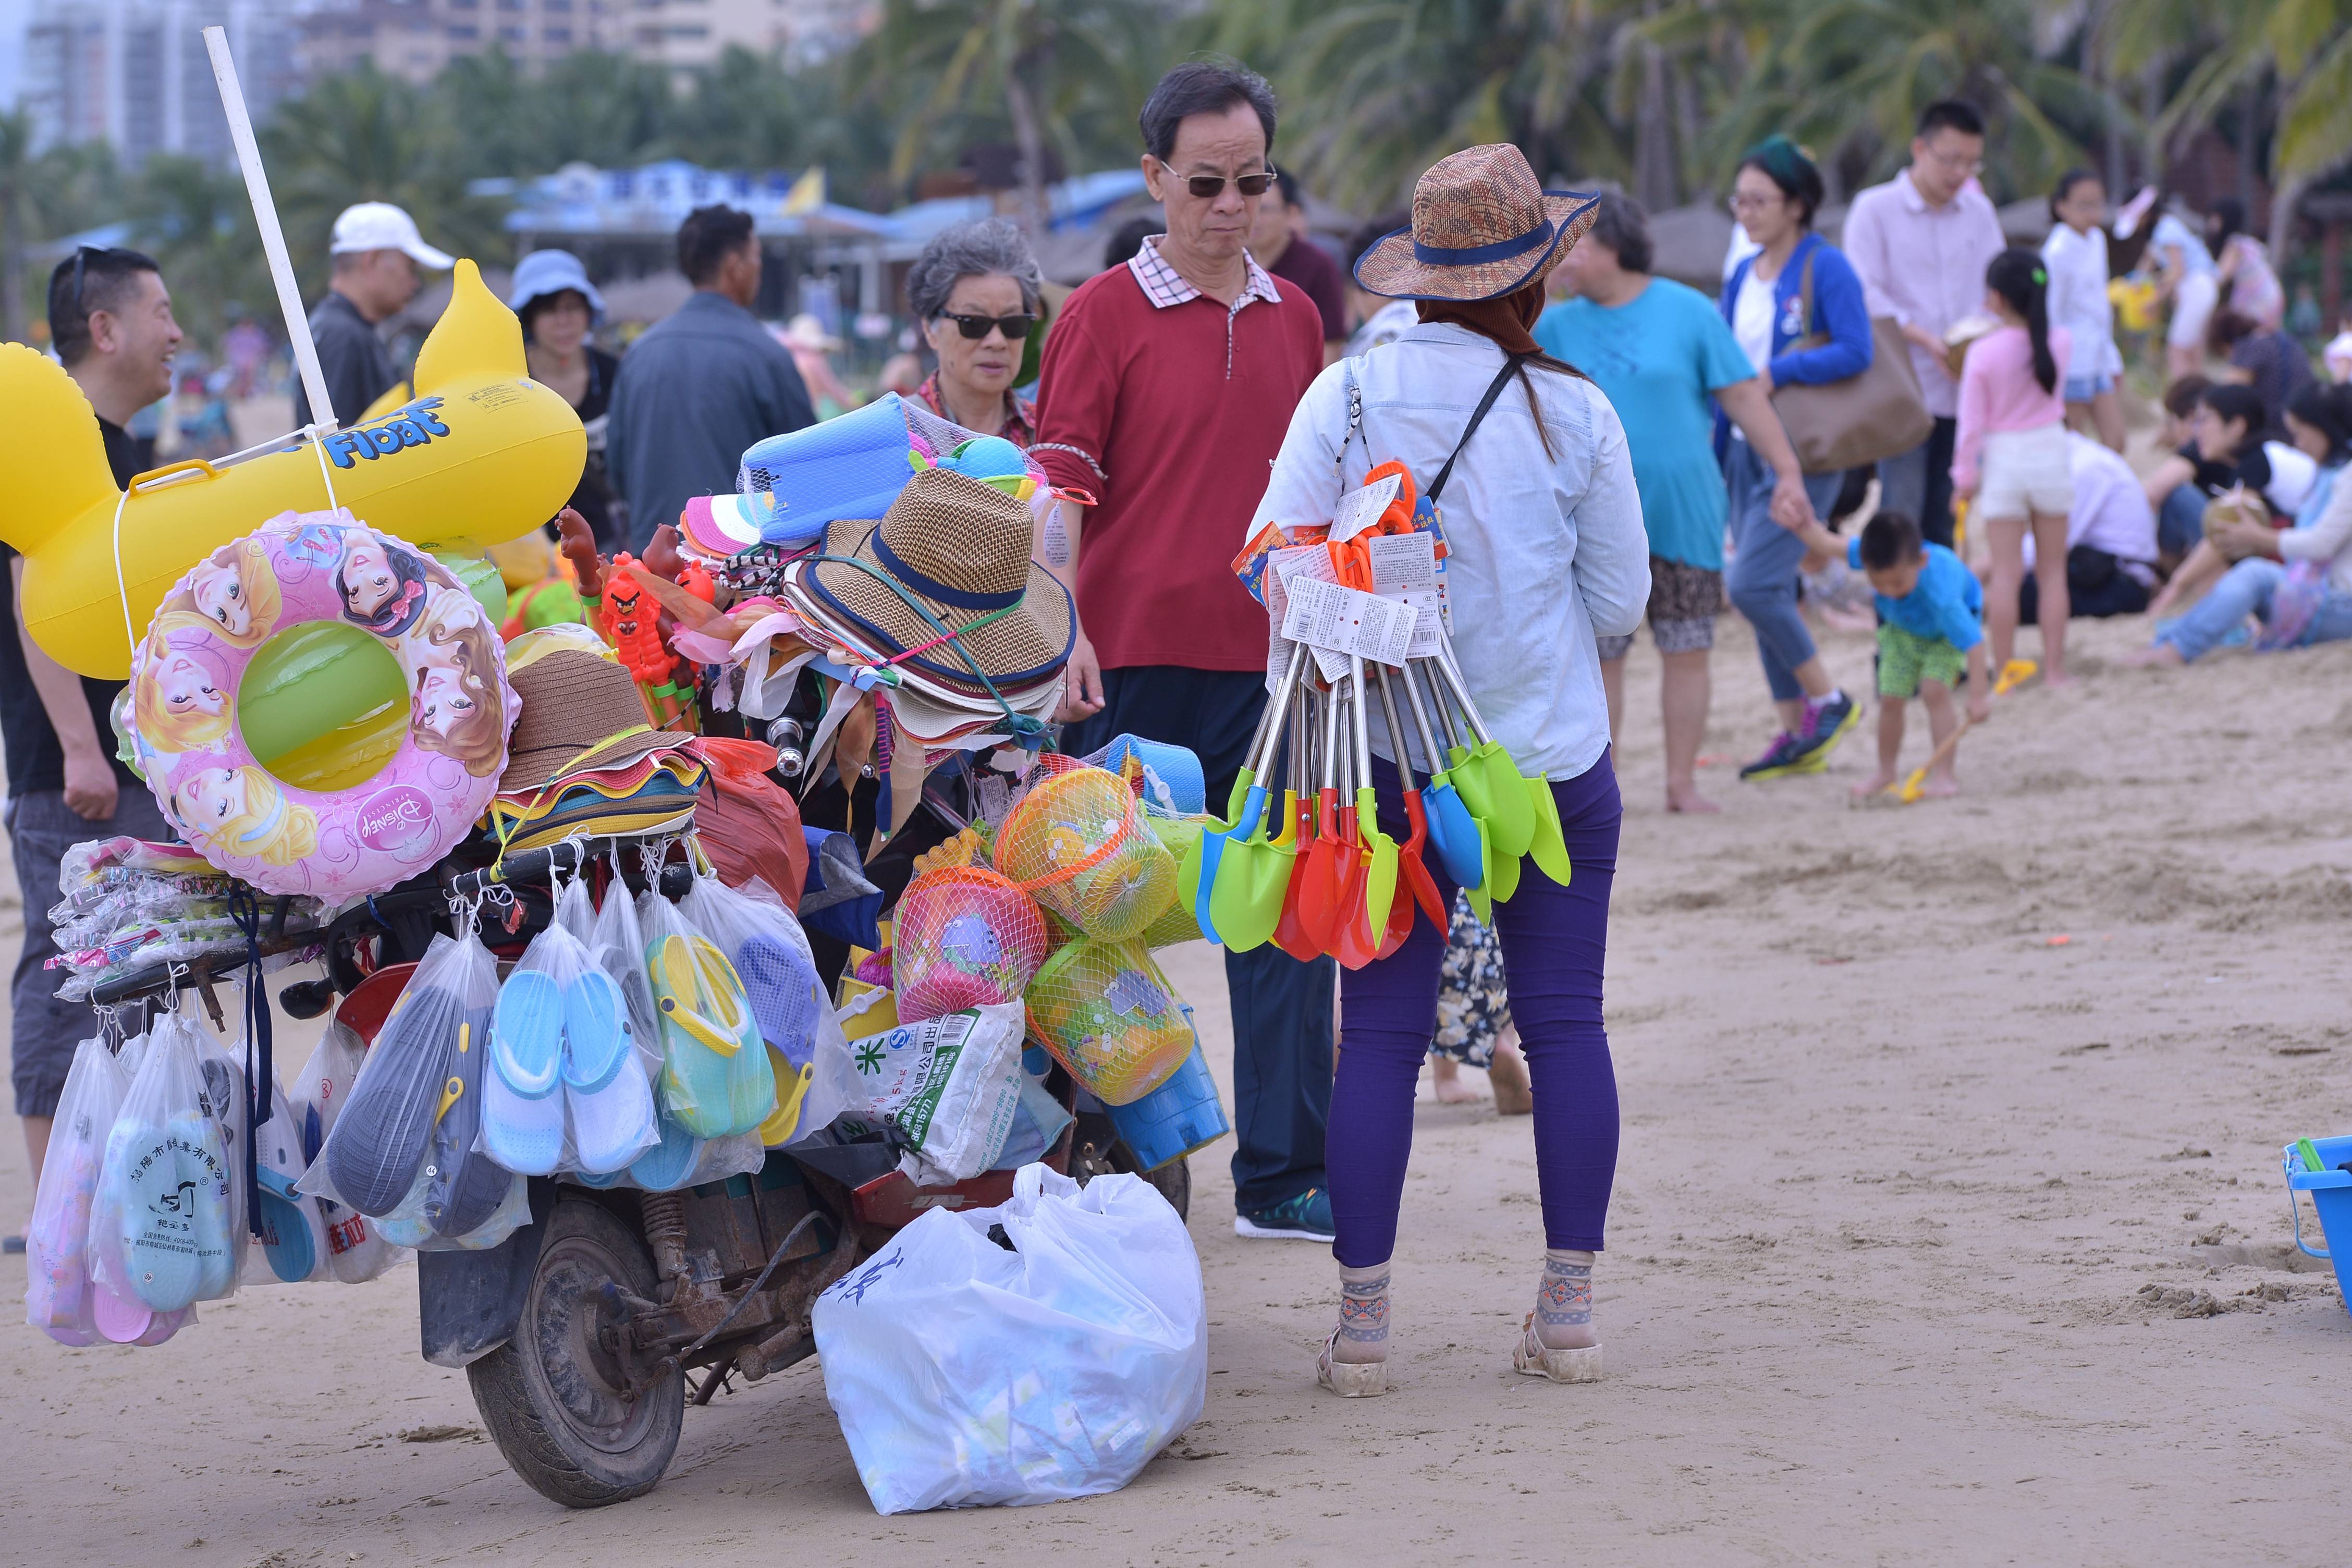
(2331, 1195)
(1184, 1114)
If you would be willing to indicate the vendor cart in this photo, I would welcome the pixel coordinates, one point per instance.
(579, 1332)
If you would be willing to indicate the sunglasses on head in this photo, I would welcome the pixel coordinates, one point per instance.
(1208, 187)
(977, 327)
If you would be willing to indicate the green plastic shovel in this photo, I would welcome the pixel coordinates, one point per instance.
(1253, 870)
(1510, 815)
(1545, 845)
(1197, 873)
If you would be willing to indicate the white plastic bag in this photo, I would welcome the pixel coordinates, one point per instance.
(618, 944)
(945, 1088)
(965, 1374)
(355, 1252)
(57, 1244)
(563, 1088)
(162, 1228)
(772, 957)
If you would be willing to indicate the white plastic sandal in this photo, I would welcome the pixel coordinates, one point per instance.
(1530, 1356)
(1351, 1379)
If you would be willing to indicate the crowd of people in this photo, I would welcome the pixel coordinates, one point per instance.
(1614, 448)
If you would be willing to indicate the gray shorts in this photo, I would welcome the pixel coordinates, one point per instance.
(45, 1031)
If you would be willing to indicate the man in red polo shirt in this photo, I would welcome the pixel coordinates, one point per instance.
(1166, 388)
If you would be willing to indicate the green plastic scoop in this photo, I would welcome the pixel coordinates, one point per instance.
(1197, 873)
(1251, 872)
(1489, 781)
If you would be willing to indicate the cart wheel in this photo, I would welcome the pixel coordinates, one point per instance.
(1174, 1179)
(554, 1399)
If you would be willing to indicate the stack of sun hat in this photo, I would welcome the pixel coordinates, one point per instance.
(583, 758)
(942, 594)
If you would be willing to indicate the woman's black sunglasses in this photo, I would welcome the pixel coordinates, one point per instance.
(976, 327)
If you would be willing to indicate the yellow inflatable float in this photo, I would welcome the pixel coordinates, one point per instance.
(482, 455)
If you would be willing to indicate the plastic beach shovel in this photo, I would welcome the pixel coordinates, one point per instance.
(1453, 831)
(1373, 880)
(1253, 873)
(1290, 932)
(1488, 779)
(1498, 874)
(1323, 884)
(1415, 885)
(1198, 875)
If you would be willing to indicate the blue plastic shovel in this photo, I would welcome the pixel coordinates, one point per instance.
(1453, 831)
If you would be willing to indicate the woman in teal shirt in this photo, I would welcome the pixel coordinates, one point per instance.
(1665, 356)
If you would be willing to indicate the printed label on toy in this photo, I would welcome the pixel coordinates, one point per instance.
(392, 818)
(1332, 620)
(415, 424)
(1405, 568)
(1362, 508)
(1306, 561)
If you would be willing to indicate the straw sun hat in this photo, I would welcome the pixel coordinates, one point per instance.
(959, 548)
(1482, 228)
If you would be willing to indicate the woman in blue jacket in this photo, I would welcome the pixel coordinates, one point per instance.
(1774, 195)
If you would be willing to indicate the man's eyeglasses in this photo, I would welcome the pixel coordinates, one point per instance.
(1208, 187)
(977, 327)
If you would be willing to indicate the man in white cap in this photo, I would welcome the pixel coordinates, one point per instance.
(377, 252)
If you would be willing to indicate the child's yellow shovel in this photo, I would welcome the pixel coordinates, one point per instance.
(2013, 674)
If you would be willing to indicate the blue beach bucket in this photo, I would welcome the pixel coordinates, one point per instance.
(1181, 1115)
(2331, 1195)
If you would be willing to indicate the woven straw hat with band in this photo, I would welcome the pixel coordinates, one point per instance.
(960, 549)
(581, 714)
(1482, 228)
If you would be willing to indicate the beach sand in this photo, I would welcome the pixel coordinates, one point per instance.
(1948, 1228)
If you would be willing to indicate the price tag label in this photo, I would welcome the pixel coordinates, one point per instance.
(1336, 622)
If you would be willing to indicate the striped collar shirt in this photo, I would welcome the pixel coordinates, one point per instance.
(1164, 287)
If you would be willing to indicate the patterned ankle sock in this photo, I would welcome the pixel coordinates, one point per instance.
(1363, 1315)
(1564, 1301)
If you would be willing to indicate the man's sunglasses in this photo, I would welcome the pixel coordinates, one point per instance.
(82, 253)
(1207, 187)
(977, 327)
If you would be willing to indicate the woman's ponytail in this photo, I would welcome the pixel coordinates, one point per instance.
(2018, 278)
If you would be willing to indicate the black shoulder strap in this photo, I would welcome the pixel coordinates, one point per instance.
(1511, 361)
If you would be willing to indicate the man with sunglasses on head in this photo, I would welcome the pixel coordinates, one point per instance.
(1921, 243)
(1166, 388)
(111, 323)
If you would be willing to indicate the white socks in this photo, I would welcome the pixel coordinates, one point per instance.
(1363, 1315)
(1564, 1301)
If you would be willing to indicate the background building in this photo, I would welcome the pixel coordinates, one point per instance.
(134, 72)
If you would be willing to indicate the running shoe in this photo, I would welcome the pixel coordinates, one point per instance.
(1306, 1218)
(1778, 760)
(1826, 722)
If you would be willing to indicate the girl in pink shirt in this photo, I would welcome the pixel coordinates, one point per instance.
(2009, 454)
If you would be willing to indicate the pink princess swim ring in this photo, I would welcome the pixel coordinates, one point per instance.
(300, 568)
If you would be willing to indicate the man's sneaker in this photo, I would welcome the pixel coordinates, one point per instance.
(1826, 722)
(1306, 1218)
(1778, 760)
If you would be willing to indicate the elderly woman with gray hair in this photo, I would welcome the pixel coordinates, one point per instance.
(976, 290)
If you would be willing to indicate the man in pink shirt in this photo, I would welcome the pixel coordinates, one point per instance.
(1921, 243)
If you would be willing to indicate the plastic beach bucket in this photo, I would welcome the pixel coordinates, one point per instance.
(1179, 1117)
(1108, 1014)
(2331, 1195)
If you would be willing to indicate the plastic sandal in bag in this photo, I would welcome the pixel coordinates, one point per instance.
(57, 1242)
(355, 1252)
(563, 1087)
(224, 1100)
(392, 1120)
(291, 1237)
(618, 945)
(162, 1229)
(715, 1075)
(764, 942)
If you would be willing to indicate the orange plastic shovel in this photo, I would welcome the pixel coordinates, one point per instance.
(1315, 891)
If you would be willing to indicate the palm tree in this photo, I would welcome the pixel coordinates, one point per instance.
(196, 220)
(1059, 71)
(44, 193)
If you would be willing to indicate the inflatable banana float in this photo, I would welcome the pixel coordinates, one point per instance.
(482, 455)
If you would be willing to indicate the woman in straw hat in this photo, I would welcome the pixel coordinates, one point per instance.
(1547, 552)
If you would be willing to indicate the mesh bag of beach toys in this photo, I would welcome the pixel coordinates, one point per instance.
(1078, 844)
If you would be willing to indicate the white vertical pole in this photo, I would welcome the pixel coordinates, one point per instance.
(273, 239)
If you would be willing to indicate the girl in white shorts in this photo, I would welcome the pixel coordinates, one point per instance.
(2009, 454)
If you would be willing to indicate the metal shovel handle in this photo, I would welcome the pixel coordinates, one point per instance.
(1396, 732)
(1444, 662)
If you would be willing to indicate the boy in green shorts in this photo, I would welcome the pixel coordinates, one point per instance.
(1930, 608)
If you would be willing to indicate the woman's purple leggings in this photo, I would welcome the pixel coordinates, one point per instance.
(1554, 938)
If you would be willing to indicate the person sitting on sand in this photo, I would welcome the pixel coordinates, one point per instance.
(2298, 583)
(2300, 470)
(1930, 606)
(2223, 449)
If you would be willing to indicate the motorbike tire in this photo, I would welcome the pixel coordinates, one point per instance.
(553, 1398)
(1174, 1179)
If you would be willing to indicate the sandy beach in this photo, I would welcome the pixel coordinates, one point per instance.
(1948, 1228)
